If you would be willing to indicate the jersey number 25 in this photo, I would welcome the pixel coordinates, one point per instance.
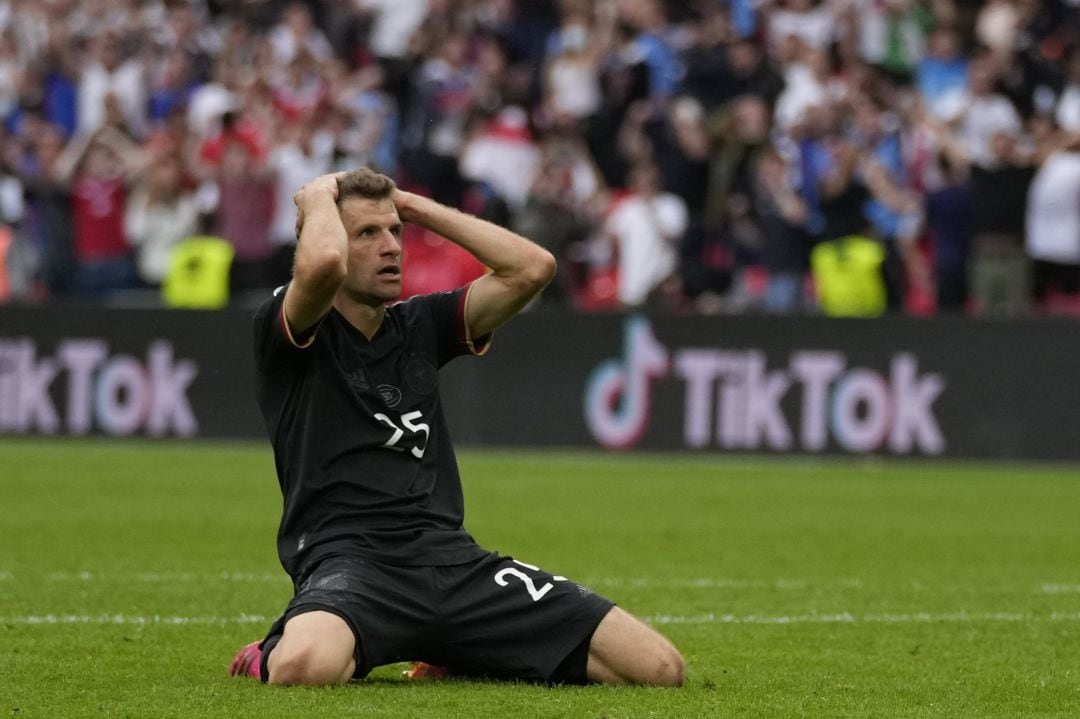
(415, 430)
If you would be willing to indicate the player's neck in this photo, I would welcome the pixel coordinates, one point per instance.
(365, 317)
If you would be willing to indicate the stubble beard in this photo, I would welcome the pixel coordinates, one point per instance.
(371, 296)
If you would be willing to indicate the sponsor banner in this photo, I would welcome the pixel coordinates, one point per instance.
(73, 371)
(733, 399)
(894, 386)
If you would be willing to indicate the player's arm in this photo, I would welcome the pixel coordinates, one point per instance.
(321, 253)
(519, 267)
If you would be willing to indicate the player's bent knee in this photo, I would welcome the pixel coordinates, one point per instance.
(670, 668)
(624, 650)
(661, 665)
(305, 665)
(317, 648)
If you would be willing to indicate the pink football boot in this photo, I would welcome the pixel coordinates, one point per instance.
(246, 662)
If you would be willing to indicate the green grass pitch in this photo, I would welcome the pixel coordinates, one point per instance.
(131, 572)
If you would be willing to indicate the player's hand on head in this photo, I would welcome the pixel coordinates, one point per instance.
(321, 187)
(404, 203)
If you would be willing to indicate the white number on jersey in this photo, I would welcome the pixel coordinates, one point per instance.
(416, 429)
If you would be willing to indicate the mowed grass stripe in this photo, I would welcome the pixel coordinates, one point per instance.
(717, 584)
(660, 619)
(794, 587)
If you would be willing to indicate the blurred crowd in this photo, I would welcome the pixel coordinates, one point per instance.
(845, 156)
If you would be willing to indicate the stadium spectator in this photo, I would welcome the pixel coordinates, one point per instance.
(302, 151)
(624, 79)
(1068, 106)
(891, 33)
(942, 75)
(997, 25)
(423, 89)
(751, 73)
(161, 211)
(809, 83)
(299, 88)
(893, 210)
(172, 82)
(1053, 228)
(707, 73)
(17, 258)
(950, 211)
(558, 214)
(649, 37)
(1000, 269)
(393, 25)
(572, 73)
(679, 143)
(11, 73)
(812, 23)
(296, 36)
(738, 134)
(781, 215)
(434, 132)
(985, 112)
(366, 125)
(185, 29)
(55, 72)
(112, 88)
(502, 154)
(645, 228)
(98, 168)
(49, 209)
(245, 209)
(210, 101)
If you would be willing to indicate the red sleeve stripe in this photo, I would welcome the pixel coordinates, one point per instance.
(288, 332)
(476, 345)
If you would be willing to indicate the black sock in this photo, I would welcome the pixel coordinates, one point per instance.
(266, 647)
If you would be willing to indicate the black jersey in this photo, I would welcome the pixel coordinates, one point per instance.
(361, 447)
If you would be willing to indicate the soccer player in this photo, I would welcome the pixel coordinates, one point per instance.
(372, 533)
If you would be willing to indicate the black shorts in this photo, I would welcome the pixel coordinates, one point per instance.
(493, 617)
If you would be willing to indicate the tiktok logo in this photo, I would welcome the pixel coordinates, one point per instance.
(619, 391)
(812, 400)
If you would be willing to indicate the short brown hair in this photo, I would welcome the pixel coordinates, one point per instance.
(365, 183)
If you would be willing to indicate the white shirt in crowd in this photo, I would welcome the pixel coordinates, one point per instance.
(574, 86)
(287, 46)
(293, 167)
(12, 204)
(802, 91)
(985, 117)
(816, 27)
(153, 230)
(126, 83)
(504, 156)
(208, 103)
(646, 232)
(1053, 210)
(394, 24)
(1068, 109)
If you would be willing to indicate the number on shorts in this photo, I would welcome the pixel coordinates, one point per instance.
(530, 585)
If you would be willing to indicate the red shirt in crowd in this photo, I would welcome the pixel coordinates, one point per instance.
(244, 212)
(98, 218)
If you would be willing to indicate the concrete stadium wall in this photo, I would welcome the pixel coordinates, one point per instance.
(897, 386)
